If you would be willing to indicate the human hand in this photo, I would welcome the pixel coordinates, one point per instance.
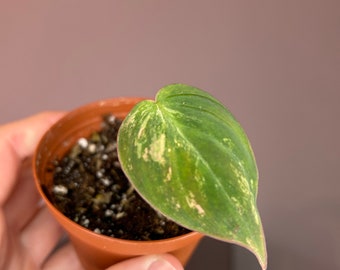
(28, 233)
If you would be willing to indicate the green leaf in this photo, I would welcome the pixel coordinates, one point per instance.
(191, 160)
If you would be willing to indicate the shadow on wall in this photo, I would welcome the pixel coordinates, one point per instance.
(211, 254)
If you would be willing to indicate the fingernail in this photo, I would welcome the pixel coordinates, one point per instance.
(161, 264)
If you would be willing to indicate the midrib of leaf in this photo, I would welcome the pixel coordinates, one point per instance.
(165, 113)
(194, 149)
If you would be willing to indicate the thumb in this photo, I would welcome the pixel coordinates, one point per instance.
(151, 262)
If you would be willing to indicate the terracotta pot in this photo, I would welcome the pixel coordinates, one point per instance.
(97, 251)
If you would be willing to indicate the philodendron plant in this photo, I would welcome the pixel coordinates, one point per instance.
(191, 160)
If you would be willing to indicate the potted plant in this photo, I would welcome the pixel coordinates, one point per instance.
(186, 155)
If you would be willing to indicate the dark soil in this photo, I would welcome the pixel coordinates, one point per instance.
(91, 189)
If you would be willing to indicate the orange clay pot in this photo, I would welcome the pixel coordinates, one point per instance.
(97, 251)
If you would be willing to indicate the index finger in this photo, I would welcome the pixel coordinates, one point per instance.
(18, 141)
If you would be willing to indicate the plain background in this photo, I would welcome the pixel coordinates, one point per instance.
(275, 64)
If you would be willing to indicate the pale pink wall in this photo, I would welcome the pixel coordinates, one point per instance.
(275, 64)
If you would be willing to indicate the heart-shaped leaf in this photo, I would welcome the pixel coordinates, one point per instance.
(191, 160)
